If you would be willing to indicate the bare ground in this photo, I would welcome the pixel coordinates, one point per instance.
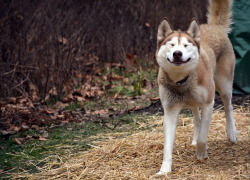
(139, 156)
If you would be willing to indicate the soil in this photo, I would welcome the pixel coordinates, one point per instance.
(15, 118)
(237, 100)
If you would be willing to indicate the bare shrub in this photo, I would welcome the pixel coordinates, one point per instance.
(46, 42)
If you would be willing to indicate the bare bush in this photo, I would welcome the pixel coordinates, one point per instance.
(43, 42)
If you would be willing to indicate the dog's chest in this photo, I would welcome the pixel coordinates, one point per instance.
(180, 94)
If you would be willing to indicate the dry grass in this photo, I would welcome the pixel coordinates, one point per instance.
(139, 155)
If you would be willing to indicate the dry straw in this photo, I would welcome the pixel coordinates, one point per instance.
(139, 155)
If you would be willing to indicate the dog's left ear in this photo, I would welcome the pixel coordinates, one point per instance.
(194, 31)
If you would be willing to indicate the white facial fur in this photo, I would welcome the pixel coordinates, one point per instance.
(188, 51)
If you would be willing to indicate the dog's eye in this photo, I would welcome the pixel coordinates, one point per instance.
(185, 45)
(172, 45)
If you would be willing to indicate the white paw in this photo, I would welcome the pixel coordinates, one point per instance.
(201, 155)
(201, 151)
(232, 134)
(160, 174)
(194, 143)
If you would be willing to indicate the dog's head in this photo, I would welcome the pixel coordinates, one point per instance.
(176, 49)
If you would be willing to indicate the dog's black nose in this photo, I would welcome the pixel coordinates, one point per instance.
(177, 54)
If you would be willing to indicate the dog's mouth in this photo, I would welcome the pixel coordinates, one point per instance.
(179, 62)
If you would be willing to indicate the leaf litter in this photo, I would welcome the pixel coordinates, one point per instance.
(30, 112)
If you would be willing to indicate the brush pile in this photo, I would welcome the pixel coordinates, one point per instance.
(139, 156)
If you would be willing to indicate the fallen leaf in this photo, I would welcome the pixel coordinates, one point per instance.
(3, 132)
(29, 137)
(35, 127)
(45, 134)
(33, 91)
(61, 105)
(30, 104)
(62, 40)
(12, 100)
(22, 100)
(80, 99)
(102, 112)
(3, 109)
(41, 138)
(68, 98)
(53, 91)
(60, 116)
(116, 78)
(65, 121)
(50, 111)
(147, 24)
(24, 126)
(125, 81)
(18, 140)
(66, 115)
(117, 94)
(16, 128)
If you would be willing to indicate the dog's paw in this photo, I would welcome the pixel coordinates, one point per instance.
(194, 143)
(201, 151)
(160, 175)
(232, 135)
(201, 155)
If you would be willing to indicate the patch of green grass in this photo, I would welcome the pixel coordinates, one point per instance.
(137, 78)
(122, 90)
(17, 157)
(62, 142)
(73, 106)
(138, 82)
(52, 100)
(188, 114)
(98, 103)
(135, 85)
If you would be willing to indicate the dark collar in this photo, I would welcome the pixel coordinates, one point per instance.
(179, 83)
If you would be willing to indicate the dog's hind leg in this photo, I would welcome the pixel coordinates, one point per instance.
(223, 82)
(197, 123)
(230, 128)
(224, 87)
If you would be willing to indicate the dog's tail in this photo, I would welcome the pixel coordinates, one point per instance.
(219, 13)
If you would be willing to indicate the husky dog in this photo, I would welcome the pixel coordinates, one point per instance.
(192, 65)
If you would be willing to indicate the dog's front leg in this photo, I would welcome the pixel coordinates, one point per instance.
(169, 127)
(206, 116)
(197, 123)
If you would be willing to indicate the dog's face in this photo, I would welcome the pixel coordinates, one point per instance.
(178, 50)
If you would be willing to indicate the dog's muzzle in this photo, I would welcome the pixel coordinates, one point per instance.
(177, 58)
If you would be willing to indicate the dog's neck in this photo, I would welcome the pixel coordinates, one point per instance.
(178, 78)
(182, 82)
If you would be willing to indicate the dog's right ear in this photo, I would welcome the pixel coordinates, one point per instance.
(164, 30)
